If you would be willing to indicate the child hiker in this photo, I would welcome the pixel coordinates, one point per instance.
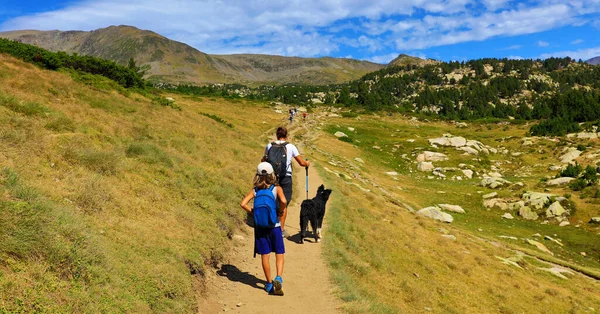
(269, 205)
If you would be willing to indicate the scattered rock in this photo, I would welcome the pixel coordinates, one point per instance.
(339, 134)
(359, 160)
(495, 202)
(392, 173)
(507, 216)
(583, 254)
(425, 166)
(527, 213)
(555, 210)
(449, 237)
(553, 240)
(490, 195)
(238, 237)
(540, 246)
(468, 173)
(494, 182)
(557, 271)
(594, 220)
(350, 129)
(431, 156)
(508, 237)
(469, 150)
(555, 168)
(559, 181)
(452, 208)
(564, 223)
(570, 156)
(435, 213)
(508, 262)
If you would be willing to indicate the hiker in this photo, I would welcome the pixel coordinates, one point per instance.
(278, 154)
(291, 117)
(304, 115)
(267, 227)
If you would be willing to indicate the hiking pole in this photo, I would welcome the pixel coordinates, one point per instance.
(306, 180)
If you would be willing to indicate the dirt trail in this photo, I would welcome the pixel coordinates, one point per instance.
(237, 286)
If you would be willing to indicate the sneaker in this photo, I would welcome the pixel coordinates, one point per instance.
(278, 286)
(284, 234)
(269, 287)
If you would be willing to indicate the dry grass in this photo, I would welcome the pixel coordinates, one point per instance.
(134, 193)
(387, 260)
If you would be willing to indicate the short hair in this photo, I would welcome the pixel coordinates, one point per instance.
(281, 132)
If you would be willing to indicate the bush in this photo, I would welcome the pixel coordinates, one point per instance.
(349, 114)
(60, 123)
(572, 171)
(581, 147)
(148, 153)
(597, 194)
(345, 139)
(106, 163)
(578, 185)
(218, 119)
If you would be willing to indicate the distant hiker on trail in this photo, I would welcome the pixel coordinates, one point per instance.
(269, 205)
(304, 115)
(291, 117)
(279, 154)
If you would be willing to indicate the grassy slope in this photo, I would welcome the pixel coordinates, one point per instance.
(110, 203)
(387, 260)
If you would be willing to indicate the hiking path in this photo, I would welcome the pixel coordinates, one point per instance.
(237, 284)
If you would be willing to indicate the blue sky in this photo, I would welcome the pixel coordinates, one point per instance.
(374, 30)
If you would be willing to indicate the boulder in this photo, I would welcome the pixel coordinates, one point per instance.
(339, 134)
(449, 237)
(431, 156)
(555, 168)
(435, 213)
(469, 150)
(392, 173)
(516, 205)
(594, 220)
(570, 156)
(468, 173)
(458, 141)
(490, 195)
(507, 216)
(496, 202)
(350, 129)
(359, 160)
(559, 181)
(527, 213)
(536, 197)
(564, 223)
(493, 182)
(587, 135)
(425, 166)
(540, 246)
(555, 210)
(452, 208)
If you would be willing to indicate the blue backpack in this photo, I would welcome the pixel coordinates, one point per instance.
(265, 206)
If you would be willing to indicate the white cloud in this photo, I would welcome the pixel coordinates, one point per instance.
(542, 43)
(515, 57)
(317, 27)
(583, 54)
(577, 42)
(384, 59)
(513, 47)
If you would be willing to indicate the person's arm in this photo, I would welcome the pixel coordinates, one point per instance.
(246, 200)
(302, 162)
(264, 157)
(282, 201)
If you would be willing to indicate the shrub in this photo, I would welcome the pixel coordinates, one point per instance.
(345, 139)
(581, 147)
(578, 185)
(349, 114)
(106, 163)
(218, 119)
(60, 123)
(597, 194)
(572, 171)
(148, 153)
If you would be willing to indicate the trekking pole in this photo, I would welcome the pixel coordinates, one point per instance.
(306, 180)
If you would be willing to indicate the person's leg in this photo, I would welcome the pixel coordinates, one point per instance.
(286, 186)
(266, 265)
(279, 264)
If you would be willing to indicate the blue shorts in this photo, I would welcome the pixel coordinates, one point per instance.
(267, 240)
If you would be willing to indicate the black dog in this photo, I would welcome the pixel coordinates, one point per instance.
(313, 210)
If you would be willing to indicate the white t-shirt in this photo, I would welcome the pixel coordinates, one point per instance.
(292, 152)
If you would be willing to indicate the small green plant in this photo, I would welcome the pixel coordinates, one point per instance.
(60, 123)
(581, 147)
(165, 102)
(106, 163)
(218, 119)
(345, 139)
(348, 114)
(148, 153)
(572, 171)
(597, 194)
(578, 185)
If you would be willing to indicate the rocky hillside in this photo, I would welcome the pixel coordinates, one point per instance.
(176, 62)
(404, 60)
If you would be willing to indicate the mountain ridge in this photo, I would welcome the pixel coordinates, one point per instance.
(175, 62)
(593, 61)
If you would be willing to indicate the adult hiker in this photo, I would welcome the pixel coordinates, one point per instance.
(269, 204)
(280, 154)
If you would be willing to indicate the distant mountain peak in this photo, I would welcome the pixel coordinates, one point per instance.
(404, 59)
(594, 61)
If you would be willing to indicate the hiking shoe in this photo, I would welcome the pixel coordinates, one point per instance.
(269, 287)
(278, 286)
(284, 234)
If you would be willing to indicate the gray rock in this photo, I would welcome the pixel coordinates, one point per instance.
(594, 220)
(493, 182)
(496, 202)
(570, 156)
(392, 173)
(449, 237)
(452, 208)
(436, 214)
(507, 216)
(527, 213)
(559, 181)
(350, 129)
(555, 209)
(469, 150)
(359, 160)
(490, 195)
(425, 166)
(339, 134)
(468, 173)
(431, 156)
(564, 223)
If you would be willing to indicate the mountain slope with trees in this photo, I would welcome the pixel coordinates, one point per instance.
(175, 62)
